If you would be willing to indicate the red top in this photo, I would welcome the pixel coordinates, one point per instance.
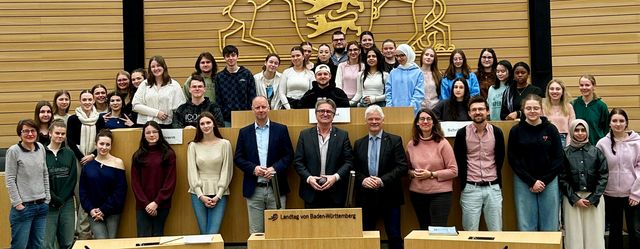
(153, 179)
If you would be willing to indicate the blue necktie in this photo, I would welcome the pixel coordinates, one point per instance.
(373, 156)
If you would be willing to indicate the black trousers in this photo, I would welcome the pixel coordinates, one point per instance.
(431, 209)
(614, 208)
(391, 218)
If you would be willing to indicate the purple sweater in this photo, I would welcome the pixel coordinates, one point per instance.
(624, 166)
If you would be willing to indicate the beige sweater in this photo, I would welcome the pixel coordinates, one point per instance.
(210, 168)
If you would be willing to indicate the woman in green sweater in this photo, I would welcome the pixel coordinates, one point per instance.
(61, 164)
(592, 109)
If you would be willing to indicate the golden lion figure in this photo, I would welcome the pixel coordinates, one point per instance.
(432, 31)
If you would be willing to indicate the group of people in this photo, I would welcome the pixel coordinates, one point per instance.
(575, 149)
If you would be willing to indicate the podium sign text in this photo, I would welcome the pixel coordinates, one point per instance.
(310, 223)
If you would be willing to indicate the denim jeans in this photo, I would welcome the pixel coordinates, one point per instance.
(537, 211)
(476, 200)
(28, 225)
(209, 219)
(261, 200)
(105, 229)
(61, 225)
(151, 226)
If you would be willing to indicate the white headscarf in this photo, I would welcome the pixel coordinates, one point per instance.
(411, 56)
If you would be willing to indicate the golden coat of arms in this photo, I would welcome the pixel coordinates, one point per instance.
(309, 19)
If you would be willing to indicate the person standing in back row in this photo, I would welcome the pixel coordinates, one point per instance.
(235, 85)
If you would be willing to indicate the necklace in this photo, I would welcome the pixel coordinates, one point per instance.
(521, 91)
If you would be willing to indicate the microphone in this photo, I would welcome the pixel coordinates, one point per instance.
(352, 179)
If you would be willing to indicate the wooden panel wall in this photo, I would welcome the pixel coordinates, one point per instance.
(51, 45)
(603, 39)
(180, 30)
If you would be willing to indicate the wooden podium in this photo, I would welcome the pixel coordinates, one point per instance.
(314, 229)
(512, 240)
(172, 242)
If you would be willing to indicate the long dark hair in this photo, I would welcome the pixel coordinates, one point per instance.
(199, 134)
(480, 70)
(451, 102)
(450, 73)
(615, 111)
(379, 64)
(506, 64)
(36, 115)
(208, 56)
(436, 131)
(140, 154)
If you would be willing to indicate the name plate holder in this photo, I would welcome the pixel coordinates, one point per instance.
(314, 228)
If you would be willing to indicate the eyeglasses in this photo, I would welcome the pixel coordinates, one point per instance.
(424, 120)
(401, 55)
(329, 112)
(28, 131)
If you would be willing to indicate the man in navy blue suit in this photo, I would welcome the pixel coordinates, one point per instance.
(263, 150)
(380, 162)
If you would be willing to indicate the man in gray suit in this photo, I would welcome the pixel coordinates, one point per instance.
(323, 160)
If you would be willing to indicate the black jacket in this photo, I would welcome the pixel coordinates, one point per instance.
(460, 150)
(585, 169)
(392, 166)
(310, 98)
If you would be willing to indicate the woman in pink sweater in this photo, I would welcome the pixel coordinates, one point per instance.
(622, 195)
(432, 169)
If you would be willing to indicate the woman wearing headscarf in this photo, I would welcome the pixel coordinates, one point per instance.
(406, 82)
(582, 183)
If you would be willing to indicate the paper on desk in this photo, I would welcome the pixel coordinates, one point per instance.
(198, 239)
(435, 230)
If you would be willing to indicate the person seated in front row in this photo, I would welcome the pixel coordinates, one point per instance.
(323, 90)
(187, 114)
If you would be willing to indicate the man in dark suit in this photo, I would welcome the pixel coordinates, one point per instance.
(263, 149)
(380, 162)
(323, 160)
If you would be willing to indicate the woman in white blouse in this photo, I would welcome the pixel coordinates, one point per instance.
(296, 80)
(209, 170)
(371, 81)
(268, 82)
(158, 96)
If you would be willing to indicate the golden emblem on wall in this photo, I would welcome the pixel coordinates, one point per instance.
(314, 18)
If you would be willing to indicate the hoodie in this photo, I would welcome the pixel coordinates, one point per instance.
(596, 114)
(624, 166)
(405, 87)
(310, 98)
(535, 152)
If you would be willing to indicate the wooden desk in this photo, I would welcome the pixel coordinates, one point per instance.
(216, 243)
(512, 240)
(368, 240)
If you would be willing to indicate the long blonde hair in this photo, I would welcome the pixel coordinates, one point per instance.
(565, 105)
